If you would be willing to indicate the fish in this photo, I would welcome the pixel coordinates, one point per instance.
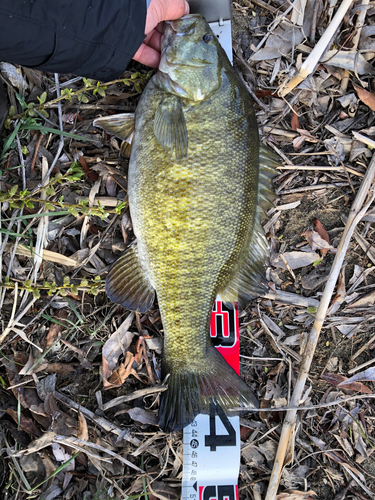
(199, 183)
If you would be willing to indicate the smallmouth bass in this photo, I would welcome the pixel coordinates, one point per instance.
(198, 185)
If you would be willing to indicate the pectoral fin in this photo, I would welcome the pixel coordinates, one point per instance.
(127, 283)
(122, 126)
(170, 128)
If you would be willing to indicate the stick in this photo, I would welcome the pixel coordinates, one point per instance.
(358, 26)
(311, 62)
(289, 423)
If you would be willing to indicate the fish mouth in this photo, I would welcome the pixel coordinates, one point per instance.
(185, 24)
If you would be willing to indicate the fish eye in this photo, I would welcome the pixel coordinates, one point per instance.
(208, 38)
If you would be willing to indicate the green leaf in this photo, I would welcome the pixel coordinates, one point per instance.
(42, 98)
(16, 235)
(101, 91)
(312, 310)
(44, 214)
(12, 191)
(49, 130)
(10, 139)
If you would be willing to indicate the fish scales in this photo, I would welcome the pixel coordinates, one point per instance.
(198, 184)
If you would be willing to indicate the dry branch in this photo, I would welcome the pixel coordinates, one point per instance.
(355, 216)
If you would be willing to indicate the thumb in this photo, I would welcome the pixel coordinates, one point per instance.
(164, 10)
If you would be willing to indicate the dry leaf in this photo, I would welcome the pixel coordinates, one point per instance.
(279, 43)
(319, 228)
(41, 442)
(296, 260)
(368, 374)
(27, 424)
(339, 380)
(367, 299)
(116, 345)
(118, 377)
(56, 329)
(340, 296)
(294, 121)
(83, 432)
(316, 242)
(142, 416)
(366, 97)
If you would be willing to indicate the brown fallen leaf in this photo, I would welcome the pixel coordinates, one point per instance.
(82, 356)
(366, 97)
(141, 415)
(26, 424)
(339, 380)
(317, 242)
(57, 328)
(294, 121)
(117, 344)
(118, 377)
(319, 228)
(367, 299)
(340, 296)
(83, 432)
(368, 374)
(93, 176)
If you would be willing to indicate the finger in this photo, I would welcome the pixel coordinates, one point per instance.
(163, 10)
(153, 40)
(147, 56)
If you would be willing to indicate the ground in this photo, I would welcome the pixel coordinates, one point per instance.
(67, 352)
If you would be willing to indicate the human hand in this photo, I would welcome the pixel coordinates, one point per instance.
(158, 11)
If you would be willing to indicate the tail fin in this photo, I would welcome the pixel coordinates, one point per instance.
(189, 392)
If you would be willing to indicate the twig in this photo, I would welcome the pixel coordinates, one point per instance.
(134, 395)
(309, 407)
(147, 361)
(356, 213)
(36, 149)
(364, 139)
(314, 187)
(313, 59)
(81, 445)
(320, 167)
(358, 26)
(360, 367)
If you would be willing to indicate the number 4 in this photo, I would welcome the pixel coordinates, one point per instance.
(212, 440)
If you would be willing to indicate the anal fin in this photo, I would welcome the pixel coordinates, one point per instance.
(127, 283)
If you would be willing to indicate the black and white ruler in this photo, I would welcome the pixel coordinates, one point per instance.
(212, 442)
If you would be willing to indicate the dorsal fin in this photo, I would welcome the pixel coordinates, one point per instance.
(248, 281)
(127, 283)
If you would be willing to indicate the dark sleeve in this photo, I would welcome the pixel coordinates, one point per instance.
(92, 38)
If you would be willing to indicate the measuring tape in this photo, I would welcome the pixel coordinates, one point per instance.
(212, 442)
